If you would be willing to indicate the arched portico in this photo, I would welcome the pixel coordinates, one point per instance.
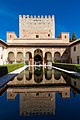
(19, 57)
(38, 57)
(57, 57)
(48, 58)
(11, 57)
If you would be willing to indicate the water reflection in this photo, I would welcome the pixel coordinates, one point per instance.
(38, 100)
(43, 91)
(57, 74)
(44, 76)
(74, 82)
(20, 77)
(28, 74)
(48, 73)
(38, 75)
(37, 103)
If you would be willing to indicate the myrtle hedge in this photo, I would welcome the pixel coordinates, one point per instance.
(4, 69)
(70, 67)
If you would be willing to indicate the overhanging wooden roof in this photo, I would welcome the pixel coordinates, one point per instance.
(74, 42)
(38, 44)
(3, 43)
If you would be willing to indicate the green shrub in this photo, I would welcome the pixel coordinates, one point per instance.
(70, 67)
(4, 69)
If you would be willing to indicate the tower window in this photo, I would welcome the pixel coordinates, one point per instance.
(65, 36)
(49, 94)
(10, 36)
(48, 35)
(37, 94)
(74, 48)
(65, 93)
(37, 36)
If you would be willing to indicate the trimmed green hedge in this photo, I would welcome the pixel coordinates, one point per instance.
(70, 67)
(4, 69)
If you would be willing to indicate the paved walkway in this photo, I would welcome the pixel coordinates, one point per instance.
(6, 78)
(40, 65)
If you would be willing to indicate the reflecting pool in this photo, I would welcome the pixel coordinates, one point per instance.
(40, 93)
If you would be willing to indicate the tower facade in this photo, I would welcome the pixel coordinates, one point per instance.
(36, 27)
(37, 42)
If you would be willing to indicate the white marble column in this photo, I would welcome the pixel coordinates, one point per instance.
(24, 55)
(43, 57)
(32, 58)
(15, 54)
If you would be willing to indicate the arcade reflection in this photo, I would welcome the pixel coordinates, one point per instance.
(39, 76)
(74, 82)
(37, 101)
(37, 89)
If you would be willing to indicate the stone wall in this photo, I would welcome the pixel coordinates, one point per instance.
(75, 53)
(3, 54)
(33, 26)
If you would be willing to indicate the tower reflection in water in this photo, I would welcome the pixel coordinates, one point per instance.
(38, 99)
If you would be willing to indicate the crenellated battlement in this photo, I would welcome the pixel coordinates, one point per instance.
(34, 16)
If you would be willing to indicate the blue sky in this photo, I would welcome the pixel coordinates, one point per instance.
(67, 14)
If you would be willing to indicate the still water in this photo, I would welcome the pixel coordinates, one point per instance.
(41, 94)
